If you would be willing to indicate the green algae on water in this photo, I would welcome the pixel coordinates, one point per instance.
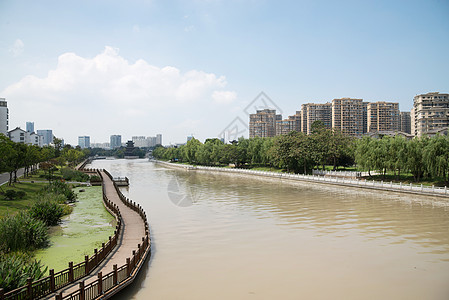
(86, 228)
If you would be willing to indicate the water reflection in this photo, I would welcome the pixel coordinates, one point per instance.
(252, 238)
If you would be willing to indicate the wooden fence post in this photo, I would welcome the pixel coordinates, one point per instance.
(82, 292)
(71, 277)
(59, 296)
(86, 264)
(115, 275)
(100, 283)
(96, 256)
(52, 280)
(128, 266)
(29, 288)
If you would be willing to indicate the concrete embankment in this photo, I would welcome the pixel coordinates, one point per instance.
(353, 183)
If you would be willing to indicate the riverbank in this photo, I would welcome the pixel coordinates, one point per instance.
(347, 182)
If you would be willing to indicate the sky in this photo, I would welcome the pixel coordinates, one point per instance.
(181, 68)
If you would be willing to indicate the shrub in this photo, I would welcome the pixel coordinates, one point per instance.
(10, 194)
(22, 232)
(66, 209)
(16, 268)
(95, 178)
(61, 188)
(48, 211)
(74, 175)
(20, 194)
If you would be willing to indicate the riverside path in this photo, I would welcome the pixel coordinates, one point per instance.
(133, 229)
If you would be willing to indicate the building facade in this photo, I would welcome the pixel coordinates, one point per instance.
(383, 116)
(430, 113)
(140, 141)
(30, 126)
(84, 141)
(263, 123)
(312, 112)
(158, 139)
(115, 141)
(47, 134)
(4, 116)
(405, 122)
(348, 116)
(293, 123)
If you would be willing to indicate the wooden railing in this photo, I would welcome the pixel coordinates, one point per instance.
(45, 286)
(107, 285)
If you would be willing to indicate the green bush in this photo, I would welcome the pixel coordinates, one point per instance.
(10, 194)
(74, 175)
(48, 211)
(61, 188)
(95, 178)
(20, 194)
(22, 232)
(15, 268)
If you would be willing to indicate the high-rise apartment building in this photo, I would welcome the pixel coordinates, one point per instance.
(158, 139)
(4, 117)
(263, 123)
(404, 122)
(30, 126)
(115, 141)
(430, 112)
(312, 112)
(383, 116)
(293, 123)
(47, 134)
(348, 116)
(84, 141)
(140, 141)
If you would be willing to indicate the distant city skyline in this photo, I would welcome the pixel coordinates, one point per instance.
(124, 68)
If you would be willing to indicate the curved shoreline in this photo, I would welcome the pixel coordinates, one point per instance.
(371, 185)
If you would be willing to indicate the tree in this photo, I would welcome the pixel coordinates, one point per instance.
(415, 162)
(436, 157)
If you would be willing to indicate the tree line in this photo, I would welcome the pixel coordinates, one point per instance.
(14, 156)
(295, 152)
(423, 157)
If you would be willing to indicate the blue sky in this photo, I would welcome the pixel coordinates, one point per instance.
(180, 67)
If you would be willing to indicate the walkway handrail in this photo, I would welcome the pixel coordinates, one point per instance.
(45, 286)
(107, 285)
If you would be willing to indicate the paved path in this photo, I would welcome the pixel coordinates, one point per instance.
(133, 229)
(4, 177)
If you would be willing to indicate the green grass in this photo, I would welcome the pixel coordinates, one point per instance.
(13, 206)
(25, 184)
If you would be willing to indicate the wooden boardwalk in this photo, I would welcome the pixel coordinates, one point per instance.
(133, 230)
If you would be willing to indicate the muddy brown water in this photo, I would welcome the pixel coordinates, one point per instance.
(223, 236)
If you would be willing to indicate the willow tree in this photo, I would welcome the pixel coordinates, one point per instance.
(436, 157)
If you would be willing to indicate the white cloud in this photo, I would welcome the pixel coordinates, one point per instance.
(107, 93)
(224, 97)
(17, 48)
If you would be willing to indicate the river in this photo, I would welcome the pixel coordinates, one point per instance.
(226, 236)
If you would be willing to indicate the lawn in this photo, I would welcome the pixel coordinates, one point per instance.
(30, 185)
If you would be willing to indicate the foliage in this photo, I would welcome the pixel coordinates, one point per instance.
(60, 188)
(10, 194)
(294, 152)
(95, 178)
(16, 268)
(22, 232)
(73, 175)
(47, 210)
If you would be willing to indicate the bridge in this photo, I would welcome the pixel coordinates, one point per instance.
(111, 268)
